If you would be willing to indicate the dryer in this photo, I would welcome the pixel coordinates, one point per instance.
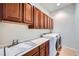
(53, 43)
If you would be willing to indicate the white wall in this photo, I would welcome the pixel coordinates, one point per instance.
(77, 25)
(64, 23)
(9, 32)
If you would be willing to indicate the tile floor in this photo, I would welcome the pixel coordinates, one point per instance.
(67, 52)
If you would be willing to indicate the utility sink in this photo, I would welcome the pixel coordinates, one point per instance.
(17, 49)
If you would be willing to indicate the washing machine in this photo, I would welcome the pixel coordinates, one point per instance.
(54, 42)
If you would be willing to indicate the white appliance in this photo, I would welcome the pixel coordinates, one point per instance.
(53, 43)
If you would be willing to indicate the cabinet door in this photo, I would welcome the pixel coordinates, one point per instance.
(28, 13)
(42, 20)
(33, 52)
(12, 12)
(42, 52)
(42, 49)
(51, 23)
(1, 10)
(36, 18)
(46, 22)
(36, 54)
(47, 48)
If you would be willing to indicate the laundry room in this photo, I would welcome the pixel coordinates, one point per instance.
(39, 29)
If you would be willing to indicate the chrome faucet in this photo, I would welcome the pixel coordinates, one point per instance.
(14, 43)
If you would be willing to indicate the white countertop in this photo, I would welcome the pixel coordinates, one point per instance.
(17, 51)
(38, 42)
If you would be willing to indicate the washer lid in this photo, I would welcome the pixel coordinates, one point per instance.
(51, 35)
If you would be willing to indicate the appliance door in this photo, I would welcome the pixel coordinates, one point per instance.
(52, 46)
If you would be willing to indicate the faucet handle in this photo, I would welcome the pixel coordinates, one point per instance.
(17, 42)
(13, 42)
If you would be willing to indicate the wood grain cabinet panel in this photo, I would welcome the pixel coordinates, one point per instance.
(12, 12)
(42, 45)
(42, 52)
(46, 22)
(47, 48)
(36, 18)
(1, 11)
(42, 20)
(44, 49)
(51, 24)
(28, 13)
(34, 52)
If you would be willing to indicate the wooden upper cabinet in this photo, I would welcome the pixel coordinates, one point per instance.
(36, 18)
(12, 12)
(51, 24)
(46, 22)
(42, 20)
(1, 10)
(28, 13)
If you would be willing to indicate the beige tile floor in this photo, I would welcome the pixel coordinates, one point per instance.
(67, 52)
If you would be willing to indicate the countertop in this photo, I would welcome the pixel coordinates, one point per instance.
(38, 42)
(15, 51)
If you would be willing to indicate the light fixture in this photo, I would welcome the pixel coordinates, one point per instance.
(58, 4)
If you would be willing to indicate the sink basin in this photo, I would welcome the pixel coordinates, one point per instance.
(17, 49)
(24, 45)
(30, 43)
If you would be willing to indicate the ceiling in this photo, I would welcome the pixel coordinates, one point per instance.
(53, 6)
